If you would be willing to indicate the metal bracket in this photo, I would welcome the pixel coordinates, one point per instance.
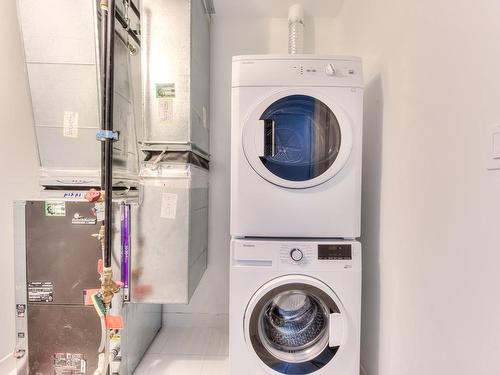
(103, 135)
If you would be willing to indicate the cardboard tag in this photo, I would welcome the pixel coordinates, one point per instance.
(87, 296)
(114, 322)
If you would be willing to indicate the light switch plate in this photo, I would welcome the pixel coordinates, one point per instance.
(493, 144)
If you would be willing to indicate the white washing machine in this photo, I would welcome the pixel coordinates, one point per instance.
(295, 307)
(296, 146)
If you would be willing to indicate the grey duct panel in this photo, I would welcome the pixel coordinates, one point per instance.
(173, 233)
(58, 250)
(142, 322)
(176, 72)
(61, 329)
(62, 58)
(200, 74)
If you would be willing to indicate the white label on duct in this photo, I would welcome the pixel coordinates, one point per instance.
(168, 205)
(70, 124)
(166, 110)
(99, 211)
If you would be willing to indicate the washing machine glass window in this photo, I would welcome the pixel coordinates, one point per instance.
(289, 328)
(301, 138)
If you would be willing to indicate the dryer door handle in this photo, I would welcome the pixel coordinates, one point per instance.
(336, 330)
(265, 138)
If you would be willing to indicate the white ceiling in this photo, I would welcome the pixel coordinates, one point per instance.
(276, 8)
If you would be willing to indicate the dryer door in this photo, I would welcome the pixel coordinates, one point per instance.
(297, 138)
(295, 325)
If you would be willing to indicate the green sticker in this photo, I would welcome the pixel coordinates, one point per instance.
(55, 208)
(165, 90)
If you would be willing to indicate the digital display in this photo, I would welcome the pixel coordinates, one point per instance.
(334, 252)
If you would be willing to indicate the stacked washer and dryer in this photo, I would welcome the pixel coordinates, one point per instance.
(295, 294)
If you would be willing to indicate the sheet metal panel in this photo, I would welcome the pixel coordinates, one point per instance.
(63, 64)
(173, 233)
(176, 71)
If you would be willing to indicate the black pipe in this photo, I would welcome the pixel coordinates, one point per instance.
(108, 125)
(130, 32)
(104, 27)
(134, 8)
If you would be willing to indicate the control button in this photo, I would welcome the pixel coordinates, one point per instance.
(330, 70)
(296, 254)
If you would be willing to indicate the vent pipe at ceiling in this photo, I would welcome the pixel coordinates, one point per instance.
(296, 29)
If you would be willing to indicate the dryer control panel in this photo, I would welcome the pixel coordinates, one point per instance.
(297, 70)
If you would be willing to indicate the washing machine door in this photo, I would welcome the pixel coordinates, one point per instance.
(295, 324)
(297, 138)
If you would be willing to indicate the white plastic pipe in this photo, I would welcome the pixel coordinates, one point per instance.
(296, 29)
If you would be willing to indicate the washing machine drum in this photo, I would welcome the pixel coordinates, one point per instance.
(294, 325)
(290, 329)
(297, 141)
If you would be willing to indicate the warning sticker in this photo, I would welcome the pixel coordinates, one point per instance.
(40, 292)
(168, 206)
(55, 209)
(99, 211)
(165, 93)
(165, 90)
(83, 220)
(69, 363)
(21, 310)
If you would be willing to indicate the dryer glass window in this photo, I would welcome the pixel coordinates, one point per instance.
(301, 138)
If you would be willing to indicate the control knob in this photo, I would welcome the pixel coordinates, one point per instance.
(296, 254)
(330, 70)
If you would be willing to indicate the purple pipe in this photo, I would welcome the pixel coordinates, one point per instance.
(125, 239)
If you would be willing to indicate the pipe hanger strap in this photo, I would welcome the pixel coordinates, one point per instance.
(103, 135)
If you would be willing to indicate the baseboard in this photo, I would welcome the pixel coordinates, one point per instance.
(175, 319)
(8, 365)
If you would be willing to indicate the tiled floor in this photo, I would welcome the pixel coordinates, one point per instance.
(187, 351)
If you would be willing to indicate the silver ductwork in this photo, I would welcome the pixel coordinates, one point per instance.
(296, 29)
(176, 71)
(63, 63)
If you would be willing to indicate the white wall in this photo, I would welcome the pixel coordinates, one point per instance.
(18, 163)
(431, 210)
(233, 36)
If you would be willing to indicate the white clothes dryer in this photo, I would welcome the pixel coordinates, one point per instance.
(295, 307)
(296, 146)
